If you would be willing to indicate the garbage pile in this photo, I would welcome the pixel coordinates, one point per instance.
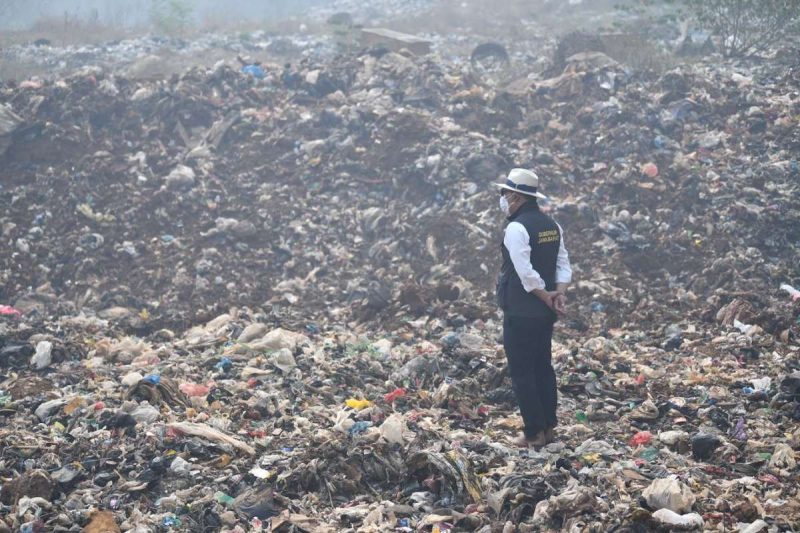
(262, 299)
(154, 56)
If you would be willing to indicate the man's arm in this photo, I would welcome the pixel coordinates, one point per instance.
(517, 242)
(563, 273)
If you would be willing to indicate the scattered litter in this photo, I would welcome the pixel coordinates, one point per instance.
(259, 296)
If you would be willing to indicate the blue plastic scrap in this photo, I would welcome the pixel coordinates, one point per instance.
(254, 70)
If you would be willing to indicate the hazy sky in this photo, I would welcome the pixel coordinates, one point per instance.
(21, 14)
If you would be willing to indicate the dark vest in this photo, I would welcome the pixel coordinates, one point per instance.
(545, 239)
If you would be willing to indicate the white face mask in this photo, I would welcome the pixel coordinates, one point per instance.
(504, 205)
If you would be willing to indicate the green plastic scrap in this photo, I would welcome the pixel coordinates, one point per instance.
(223, 498)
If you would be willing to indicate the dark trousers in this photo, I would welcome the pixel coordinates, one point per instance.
(527, 342)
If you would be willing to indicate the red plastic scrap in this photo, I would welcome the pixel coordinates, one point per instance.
(641, 438)
(769, 479)
(7, 310)
(395, 394)
(650, 170)
(716, 470)
(724, 518)
(194, 389)
(414, 415)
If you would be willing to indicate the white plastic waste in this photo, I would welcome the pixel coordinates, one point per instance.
(762, 384)
(145, 413)
(180, 466)
(281, 338)
(180, 177)
(669, 493)
(214, 435)
(394, 429)
(686, 521)
(252, 331)
(343, 422)
(783, 456)
(283, 359)
(46, 409)
(131, 378)
(756, 527)
(794, 294)
(748, 329)
(43, 356)
(672, 437)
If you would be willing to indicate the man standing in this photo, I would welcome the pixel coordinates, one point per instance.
(530, 291)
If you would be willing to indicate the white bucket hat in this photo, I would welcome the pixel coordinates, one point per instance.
(522, 181)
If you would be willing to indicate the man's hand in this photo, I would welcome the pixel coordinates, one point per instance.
(547, 297)
(560, 303)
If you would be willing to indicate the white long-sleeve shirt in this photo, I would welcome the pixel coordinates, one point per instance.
(517, 242)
